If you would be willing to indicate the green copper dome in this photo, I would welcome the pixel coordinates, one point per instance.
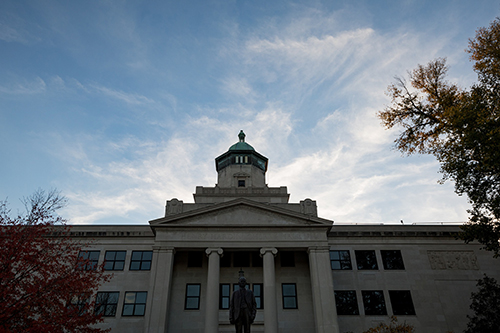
(241, 145)
(241, 154)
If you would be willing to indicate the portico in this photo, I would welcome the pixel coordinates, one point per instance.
(246, 225)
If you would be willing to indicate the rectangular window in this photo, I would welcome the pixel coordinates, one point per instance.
(241, 259)
(347, 303)
(374, 302)
(88, 260)
(141, 260)
(114, 260)
(287, 259)
(135, 303)
(225, 260)
(256, 259)
(192, 297)
(392, 259)
(366, 260)
(106, 303)
(79, 303)
(224, 296)
(241, 183)
(258, 292)
(237, 287)
(195, 259)
(289, 291)
(402, 304)
(340, 260)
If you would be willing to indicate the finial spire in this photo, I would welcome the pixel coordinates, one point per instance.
(241, 136)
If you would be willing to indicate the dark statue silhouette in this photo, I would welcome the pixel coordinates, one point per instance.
(242, 309)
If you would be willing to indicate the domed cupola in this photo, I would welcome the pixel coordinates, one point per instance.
(241, 166)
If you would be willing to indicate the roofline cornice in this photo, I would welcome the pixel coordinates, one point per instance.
(237, 202)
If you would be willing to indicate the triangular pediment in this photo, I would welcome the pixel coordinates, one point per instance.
(241, 213)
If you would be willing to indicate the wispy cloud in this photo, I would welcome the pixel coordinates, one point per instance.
(35, 86)
(238, 87)
(128, 98)
(15, 29)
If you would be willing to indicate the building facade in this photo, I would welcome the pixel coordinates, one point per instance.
(307, 273)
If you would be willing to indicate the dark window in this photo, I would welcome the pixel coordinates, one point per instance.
(237, 287)
(258, 292)
(392, 259)
(224, 296)
(287, 259)
(88, 260)
(347, 303)
(366, 260)
(114, 260)
(241, 259)
(106, 303)
(401, 302)
(374, 303)
(289, 291)
(79, 303)
(141, 260)
(256, 259)
(135, 303)
(241, 183)
(340, 260)
(192, 297)
(195, 259)
(225, 260)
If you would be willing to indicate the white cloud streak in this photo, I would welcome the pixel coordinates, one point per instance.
(14, 29)
(35, 86)
(128, 98)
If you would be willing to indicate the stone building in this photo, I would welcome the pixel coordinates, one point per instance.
(307, 273)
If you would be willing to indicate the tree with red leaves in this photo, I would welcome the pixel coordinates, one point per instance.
(45, 285)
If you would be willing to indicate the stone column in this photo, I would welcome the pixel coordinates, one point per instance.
(160, 289)
(270, 310)
(212, 300)
(325, 312)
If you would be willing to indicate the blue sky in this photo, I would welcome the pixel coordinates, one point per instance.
(122, 105)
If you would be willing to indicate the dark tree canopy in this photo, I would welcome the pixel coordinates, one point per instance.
(392, 327)
(460, 127)
(42, 285)
(485, 305)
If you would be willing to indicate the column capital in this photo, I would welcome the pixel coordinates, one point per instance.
(318, 249)
(264, 250)
(210, 250)
(163, 248)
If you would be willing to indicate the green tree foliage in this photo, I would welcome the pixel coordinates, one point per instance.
(392, 327)
(485, 305)
(460, 127)
(43, 287)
